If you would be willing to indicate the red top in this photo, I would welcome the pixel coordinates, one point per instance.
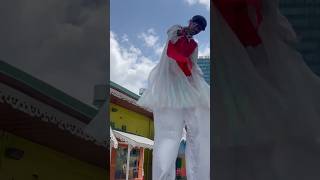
(235, 12)
(181, 52)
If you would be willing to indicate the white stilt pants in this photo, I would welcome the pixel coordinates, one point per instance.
(169, 124)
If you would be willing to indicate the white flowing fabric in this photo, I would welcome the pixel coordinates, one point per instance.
(264, 93)
(169, 87)
(178, 101)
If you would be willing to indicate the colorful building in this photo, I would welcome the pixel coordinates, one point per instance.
(42, 132)
(133, 128)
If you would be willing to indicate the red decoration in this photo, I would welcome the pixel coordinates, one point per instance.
(181, 52)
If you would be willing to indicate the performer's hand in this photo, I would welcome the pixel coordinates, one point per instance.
(184, 32)
(181, 32)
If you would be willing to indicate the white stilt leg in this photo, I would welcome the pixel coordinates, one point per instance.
(168, 132)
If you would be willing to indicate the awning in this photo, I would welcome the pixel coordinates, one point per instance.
(134, 140)
(113, 142)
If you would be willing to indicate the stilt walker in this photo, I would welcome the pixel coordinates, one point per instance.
(179, 96)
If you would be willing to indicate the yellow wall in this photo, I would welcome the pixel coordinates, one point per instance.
(48, 164)
(137, 124)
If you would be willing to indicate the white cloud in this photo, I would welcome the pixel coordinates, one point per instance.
(202, 2)
(151, 31)
(150, 38)
(128, 66)
(125, 38)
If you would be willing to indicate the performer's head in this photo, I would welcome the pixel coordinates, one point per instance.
(197, 24)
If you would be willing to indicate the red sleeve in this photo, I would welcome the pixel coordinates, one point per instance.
(183, 62)
(174, 54)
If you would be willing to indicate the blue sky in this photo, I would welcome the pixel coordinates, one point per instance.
(138, 34)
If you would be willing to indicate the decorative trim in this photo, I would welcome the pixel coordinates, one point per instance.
(24, 103)
(128, 99)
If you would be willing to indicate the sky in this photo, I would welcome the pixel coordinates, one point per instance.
(138, 34)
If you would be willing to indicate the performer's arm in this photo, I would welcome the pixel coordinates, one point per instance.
(173, 33)
(183, 62)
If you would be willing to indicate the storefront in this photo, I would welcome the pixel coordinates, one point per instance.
(127, 159)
